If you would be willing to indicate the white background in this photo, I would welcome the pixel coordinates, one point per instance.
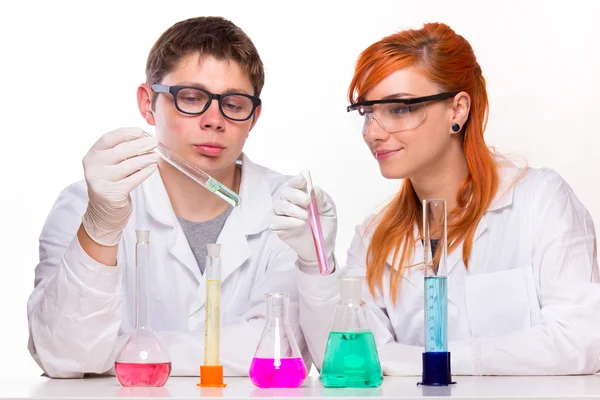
(70, 72)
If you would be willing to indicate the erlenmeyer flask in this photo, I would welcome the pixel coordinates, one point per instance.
(277, 361)
(142, 361)
(351, 358)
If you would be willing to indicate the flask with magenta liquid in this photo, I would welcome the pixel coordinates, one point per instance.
(142, 361)
(277, 361)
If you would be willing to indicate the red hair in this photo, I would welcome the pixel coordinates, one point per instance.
(437, 53)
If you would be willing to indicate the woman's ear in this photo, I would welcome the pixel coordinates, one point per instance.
(461, 107)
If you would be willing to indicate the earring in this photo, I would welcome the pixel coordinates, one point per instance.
(455, 127)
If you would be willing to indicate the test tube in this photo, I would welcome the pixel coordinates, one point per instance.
(211, 373)
(436, 358)
(315, 226)
(197, 174)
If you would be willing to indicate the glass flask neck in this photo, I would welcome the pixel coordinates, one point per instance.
(277, 307)
(277, 340)
(142, 256)
(350, 318)
(350, 313)
(350, 290)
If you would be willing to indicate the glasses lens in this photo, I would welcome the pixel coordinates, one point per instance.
(361, 119)
(392, 117)
(237, 107)
(192, 100)
(396, 117)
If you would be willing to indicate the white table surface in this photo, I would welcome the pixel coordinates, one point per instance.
(466, 387)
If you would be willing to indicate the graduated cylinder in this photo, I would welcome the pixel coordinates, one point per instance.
(211, 373)
(436, 358)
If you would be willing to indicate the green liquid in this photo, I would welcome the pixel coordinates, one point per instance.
(351, 360)
(223, 192)
(213, 185)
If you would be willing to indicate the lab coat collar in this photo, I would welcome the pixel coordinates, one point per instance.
(508, 174)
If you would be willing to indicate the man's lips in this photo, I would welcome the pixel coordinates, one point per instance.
(210, 149)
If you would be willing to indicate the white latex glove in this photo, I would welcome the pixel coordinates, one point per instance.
(290, 221)
(115, 165)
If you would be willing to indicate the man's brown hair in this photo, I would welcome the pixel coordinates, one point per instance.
(208, 36)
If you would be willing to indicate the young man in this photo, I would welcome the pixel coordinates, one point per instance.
(203, 82)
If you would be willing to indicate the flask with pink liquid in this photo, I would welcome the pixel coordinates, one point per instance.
(277, 361)
(142, 361)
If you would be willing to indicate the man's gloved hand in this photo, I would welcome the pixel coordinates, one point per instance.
(115, 165)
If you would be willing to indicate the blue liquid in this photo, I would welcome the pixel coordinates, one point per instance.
(436, 314)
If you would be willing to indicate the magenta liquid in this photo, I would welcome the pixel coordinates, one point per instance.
(290, 373)
(317, 232)
(138, 374)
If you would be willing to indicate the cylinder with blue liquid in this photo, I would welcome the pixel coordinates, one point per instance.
(436, 358)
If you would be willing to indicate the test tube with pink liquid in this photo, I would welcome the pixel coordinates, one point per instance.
(315, 226)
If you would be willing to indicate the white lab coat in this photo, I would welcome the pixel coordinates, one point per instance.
(529, 302)
(80, 310)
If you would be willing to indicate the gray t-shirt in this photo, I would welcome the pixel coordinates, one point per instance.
(199, 234)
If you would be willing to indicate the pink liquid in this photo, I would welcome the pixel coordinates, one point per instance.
(289, 374)
(137, 374)
(315, 225)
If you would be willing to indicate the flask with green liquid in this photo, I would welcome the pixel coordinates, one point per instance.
(351, 359)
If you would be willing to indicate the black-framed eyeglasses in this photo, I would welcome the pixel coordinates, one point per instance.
(193, 100)
(393, 115)
(414, 100)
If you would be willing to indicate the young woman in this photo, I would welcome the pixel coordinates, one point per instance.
(522, 269)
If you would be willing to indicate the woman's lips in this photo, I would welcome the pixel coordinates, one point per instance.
(385, 154)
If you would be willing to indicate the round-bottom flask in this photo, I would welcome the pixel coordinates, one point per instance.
(142, 361)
